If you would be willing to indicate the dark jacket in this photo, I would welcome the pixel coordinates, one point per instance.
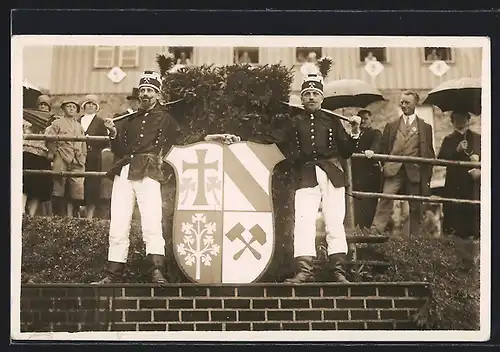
(366, 173)
(141, 140)
(426, 150)
(321, 141)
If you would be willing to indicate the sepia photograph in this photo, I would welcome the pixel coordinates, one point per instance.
(236, 188)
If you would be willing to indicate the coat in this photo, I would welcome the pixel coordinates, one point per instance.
(426, 150)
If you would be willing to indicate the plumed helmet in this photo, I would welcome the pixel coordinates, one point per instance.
(91, 99)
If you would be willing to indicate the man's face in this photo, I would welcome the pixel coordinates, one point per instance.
(366, 120)
(459, 120)
(408, 104)
(134, 104)
(312, 100)
(148, 96)
(90, 108)
(44, 107)
(70, 109)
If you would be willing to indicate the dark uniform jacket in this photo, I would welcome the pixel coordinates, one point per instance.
(141, 140)
(312, 140)
(366, 173)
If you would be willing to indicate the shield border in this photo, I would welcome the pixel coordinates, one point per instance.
(177, 178)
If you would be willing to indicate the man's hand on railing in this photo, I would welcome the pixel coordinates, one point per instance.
(474, 157)
(369, 153)
(110, 125)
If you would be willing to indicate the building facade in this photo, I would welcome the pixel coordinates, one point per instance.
(83, 69)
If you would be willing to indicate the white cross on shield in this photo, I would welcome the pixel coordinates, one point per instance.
(223, 228)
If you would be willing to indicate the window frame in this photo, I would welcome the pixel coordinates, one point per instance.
(296, 62)
(121, 49)
(237, 49)
(387, 60)
(97, 50)
(424, 57)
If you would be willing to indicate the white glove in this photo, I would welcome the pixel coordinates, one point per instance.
(369, 153)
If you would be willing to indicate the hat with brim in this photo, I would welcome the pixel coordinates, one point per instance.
(65, 102)
(134, 95)
(91, 99)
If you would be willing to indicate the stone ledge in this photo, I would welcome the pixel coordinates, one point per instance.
(257, 284)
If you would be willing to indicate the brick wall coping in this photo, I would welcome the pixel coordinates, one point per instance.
(260, 284)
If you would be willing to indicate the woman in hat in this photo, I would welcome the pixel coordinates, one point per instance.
(36, 188)
(93, 125)
(67, 156)
(461, 145)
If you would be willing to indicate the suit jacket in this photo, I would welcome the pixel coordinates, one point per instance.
(426, 150)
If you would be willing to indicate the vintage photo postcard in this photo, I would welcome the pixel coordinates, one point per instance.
(250, 188)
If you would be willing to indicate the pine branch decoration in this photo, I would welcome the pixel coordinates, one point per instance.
(165, 63)
(325, 64)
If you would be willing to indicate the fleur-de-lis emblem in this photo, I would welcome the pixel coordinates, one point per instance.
(311, 85)
(146, 80)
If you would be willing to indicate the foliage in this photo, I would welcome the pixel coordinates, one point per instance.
(449, 264)
(238, 99)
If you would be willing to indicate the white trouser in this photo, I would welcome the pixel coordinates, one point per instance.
(307, 202)
(148, 194)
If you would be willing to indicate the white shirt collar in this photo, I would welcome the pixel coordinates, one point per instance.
(86, 121)
(410, 118)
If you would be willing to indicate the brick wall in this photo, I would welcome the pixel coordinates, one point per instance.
(191, 307)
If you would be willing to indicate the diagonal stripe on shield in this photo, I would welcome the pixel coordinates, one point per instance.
(223, 217)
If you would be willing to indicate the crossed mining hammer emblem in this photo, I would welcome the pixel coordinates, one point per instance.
(258, 235)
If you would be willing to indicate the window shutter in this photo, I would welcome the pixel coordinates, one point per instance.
(128, 56)
(104, 56)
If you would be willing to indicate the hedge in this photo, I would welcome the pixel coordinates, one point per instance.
(449, 264)
(75, 251)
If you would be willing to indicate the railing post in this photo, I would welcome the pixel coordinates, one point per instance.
(349, 214)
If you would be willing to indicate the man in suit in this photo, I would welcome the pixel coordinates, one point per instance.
(366, 174)
(407, 136)
(133, 101)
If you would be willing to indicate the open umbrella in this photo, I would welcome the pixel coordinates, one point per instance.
(30, 95)
(463, 94)
(350, 93)
(39, 119)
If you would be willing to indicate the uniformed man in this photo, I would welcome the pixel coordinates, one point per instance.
(138, 141)
(321, 142)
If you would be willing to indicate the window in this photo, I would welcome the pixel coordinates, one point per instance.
(182, 54)
(307, 54)
(432, 54)
(243, 55)
(375, 54)
(104, 56)
(111, 56)
(128, 56)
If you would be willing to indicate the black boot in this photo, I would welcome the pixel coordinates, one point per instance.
(305, 273)
(336, 267)
(157, 268)
(114, 272)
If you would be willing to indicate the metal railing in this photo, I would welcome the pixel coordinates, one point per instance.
(349, 190)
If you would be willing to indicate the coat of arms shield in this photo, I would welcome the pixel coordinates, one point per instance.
(223, 229)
